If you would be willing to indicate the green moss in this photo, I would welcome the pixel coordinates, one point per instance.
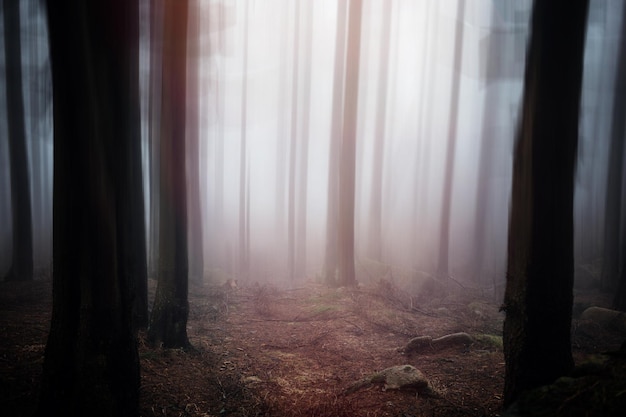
(489, 340)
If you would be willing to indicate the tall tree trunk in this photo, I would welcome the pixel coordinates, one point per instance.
(91, 364)
(446, 205)
(332, 211)
(156, 51)
(195, 227)
(423, 129)
(613, 202)
(132, 203)
(293, 151)
(538, 297)
(303, 151)
(244, 266)
(168, 323)
(376, 199)
(348, 148)
(22, 264)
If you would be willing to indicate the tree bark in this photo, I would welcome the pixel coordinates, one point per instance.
(195, 229)
(330, 257)
(538, 297)
(613, 203)
(293, 151)
(348, 148)
(91, 364)
(244, 255)
(446, 205)
(22, 262)
(376, 199)
(168, 323)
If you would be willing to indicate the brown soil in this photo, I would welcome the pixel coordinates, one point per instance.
(263, 351)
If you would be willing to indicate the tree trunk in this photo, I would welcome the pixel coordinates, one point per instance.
(91, 365)
(244, 261)
(156, 37)
(303, 150)
(376, 199)
(22, 265)
(348, 148)
(613, 204)
(330, 257)
(195, 229)
(444, 230)
(293, 149)
(168, 323)
(538, 297)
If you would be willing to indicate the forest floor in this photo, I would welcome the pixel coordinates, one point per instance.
(263, 351)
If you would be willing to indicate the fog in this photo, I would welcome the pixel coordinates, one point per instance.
(266, 79)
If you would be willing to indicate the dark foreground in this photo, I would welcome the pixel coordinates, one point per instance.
(261, 351)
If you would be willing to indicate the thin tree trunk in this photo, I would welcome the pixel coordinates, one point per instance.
(330, 257)
(444, 230)
(348, 149)
(291, 207)
(243, 203)
(195, 227)
(303, 151)
(156, 51)
(376, 200)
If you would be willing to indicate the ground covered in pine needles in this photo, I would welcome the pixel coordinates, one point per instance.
(263, 351)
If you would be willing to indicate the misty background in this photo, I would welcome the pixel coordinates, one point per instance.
(263, 109)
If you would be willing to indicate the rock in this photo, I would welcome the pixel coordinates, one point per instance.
(610, 319)
(454, 339)
(419, 343)
(402, 377)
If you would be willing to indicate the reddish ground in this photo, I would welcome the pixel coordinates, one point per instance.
(259, 350)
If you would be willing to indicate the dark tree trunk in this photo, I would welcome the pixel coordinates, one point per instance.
(538, 298)
(613, 204)
(22, 265)
(168, 323)
(91, 364)
(348, 148)
(156, 36)
(195, 229)
(332, 211)
(132, 205)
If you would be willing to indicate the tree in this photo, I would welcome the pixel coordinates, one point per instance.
(348, 148)
(244, 218)
(154, 117)
(196, 256)
(446, 204)
(91, 364)
(303, 148)
(22, 263)
(376, 200)
(613, 203)
(291, 194)
(168, 323)
(538, 298)
(330, 255)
